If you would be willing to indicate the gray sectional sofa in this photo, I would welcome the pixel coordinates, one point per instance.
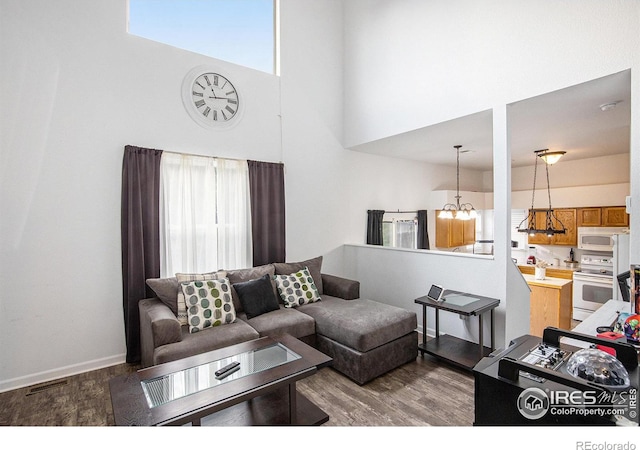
(365, 338)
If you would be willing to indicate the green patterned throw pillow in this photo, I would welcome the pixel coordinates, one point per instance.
(208, 303)
(182, 277)
(297, 288)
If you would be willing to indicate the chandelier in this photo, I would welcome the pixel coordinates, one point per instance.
(464, 211)
(532, 225)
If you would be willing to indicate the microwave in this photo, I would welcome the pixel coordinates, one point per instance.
(598, 239)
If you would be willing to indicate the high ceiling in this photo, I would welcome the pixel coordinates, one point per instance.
(570, 119)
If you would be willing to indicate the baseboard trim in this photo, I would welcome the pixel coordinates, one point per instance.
(62, 372)
(430, 331)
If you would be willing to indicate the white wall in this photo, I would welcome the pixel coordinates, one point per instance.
(443, 60)
(612, 169)
(316, 163)
(329, 189)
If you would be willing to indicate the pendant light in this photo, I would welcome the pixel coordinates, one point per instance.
(464, 211)
(552, 224)
(550, 157)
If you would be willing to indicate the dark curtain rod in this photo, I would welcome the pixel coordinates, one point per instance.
(402, 212)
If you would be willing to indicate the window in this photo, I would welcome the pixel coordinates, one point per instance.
(205, 214)
(238, 31)
(400, 233)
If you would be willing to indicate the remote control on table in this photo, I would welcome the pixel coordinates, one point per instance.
(227, 370)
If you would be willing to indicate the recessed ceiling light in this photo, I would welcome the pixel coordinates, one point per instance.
(609, 106)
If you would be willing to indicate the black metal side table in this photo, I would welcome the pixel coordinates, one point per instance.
(454, 350)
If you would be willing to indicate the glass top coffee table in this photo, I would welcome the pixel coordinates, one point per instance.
(190, 391)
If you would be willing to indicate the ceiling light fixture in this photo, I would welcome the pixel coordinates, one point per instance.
(550, 157)
(464, 211)
(552, 224)
(609, 106)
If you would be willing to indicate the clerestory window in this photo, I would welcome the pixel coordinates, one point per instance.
(239, 31)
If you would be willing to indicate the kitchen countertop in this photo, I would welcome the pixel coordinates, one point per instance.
(554, 283)
(606, 315)
(531, 266)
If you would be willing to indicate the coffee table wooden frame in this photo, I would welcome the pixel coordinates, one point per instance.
(256, 399)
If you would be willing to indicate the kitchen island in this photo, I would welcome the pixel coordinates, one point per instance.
(550, 303)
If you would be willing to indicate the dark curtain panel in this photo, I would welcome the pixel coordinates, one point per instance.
(374, 226)
(423, 234)
(266, 185)
(140, 236)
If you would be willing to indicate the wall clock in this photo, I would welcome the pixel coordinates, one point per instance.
(211, 99)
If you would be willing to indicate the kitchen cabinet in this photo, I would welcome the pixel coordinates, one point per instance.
(567, 216)
(589, 217)
(540, 219)
(455, 233)
(615, 216)
(550, 304)
(603, 216)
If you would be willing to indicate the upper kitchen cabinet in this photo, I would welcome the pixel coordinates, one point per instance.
(615, 216)
(454, 233)
(605, 216)
(567, 216)
(589, 217)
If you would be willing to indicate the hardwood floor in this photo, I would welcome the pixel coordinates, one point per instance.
(424, 392)
(420, 393)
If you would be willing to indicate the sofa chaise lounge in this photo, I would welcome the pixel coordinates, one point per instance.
(365, 338)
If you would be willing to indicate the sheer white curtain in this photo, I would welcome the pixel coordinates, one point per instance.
(234, 215)
(204, 214)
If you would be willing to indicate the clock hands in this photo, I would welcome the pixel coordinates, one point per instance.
(215, 97)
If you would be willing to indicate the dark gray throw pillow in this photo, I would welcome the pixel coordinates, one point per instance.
(167, 291)
(256, 296)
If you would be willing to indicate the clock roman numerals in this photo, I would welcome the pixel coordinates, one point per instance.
(213, 98)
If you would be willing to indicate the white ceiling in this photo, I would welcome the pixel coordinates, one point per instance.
(569, 119)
